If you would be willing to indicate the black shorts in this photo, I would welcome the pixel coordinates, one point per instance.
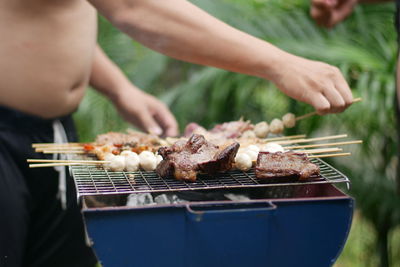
(34, 229)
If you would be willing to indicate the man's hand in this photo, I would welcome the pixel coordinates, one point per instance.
(328, 13)
(146, 112)
(316, 83)
(137, 107)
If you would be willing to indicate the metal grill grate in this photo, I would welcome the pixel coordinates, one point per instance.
(94, 180)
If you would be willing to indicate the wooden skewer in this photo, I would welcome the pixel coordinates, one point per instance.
(58, 144)
(355, 100)
(57, 147)
(61, 150)
(68, 161)
(284, 137)
(311, 139)
(35, 145)
(322, 150)
(330, 155)
(326, 144)
(43, 165)
(64, 152)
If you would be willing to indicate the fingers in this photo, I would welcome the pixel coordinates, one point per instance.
(167, 121)
(336, 91)
(321, 12)
(328, 13)
(343, 88)
(342, 12)
(335, 99)
(324, 4)
(148, 123)
(330, 92)
(321, 104)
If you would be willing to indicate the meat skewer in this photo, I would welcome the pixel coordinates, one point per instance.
(355, 100)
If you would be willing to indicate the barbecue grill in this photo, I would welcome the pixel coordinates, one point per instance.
(291, 223)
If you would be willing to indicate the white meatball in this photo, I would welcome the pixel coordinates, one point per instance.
(108, 157)
(243, 162)
(159, 158)
(261, 129)
(252, 154)
(276, 126)
(126, 153)
(248, 134)
(117, 163)
(146, 154)
(148, 161)
(132, 162)
(272, 148)
(253, 148)
(289, 120)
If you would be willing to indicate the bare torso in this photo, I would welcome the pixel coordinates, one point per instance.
(46, 53)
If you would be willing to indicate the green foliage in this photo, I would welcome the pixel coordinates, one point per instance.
(363, 47)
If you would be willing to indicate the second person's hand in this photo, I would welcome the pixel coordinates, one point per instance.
(328, 13)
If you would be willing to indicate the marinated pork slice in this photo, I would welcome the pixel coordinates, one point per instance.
(185, 160)
(285, 164)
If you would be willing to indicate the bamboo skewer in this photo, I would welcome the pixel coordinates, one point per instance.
(65, 152)
(306, 140)
(42, 165)
(37, 145)
(355, 100)
(330, 155)
(326, 144)
(55, 147)
(67, 161)
(284, 137)
(322, 150)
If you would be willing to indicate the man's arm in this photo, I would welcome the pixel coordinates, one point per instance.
(181, 30)
(137, 107)
(328, 13)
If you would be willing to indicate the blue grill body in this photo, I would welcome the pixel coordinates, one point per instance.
(309, 229)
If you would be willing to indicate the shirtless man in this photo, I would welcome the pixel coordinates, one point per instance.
(48, 56)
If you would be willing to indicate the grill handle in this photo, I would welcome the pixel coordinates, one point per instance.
(233, 210)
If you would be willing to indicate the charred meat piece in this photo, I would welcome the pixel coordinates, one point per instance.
(285, 164)
(185, 160)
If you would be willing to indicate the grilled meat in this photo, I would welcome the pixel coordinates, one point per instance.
(185, 160)
(285, 164)
(232, 129)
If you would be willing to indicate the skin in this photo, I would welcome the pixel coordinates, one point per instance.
(328, 13)
(179, 29)
(49, 56)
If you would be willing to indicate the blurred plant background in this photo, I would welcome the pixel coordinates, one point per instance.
(364, 47)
